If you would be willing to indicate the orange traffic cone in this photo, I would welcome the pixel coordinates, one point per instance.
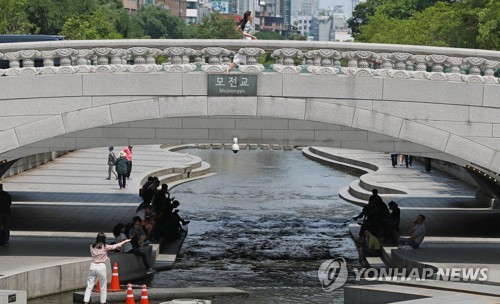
(130, 295)
(97, 286)
(144, 296)
(115, 280)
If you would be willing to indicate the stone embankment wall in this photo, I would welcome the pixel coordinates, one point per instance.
(30, 162)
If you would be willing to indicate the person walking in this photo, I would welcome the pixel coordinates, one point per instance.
(245, 27)
(111, 163)
(121, 168)
(99, 252)
(5, 203)
(128, 155)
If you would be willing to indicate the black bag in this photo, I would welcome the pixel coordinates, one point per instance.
(111, 159)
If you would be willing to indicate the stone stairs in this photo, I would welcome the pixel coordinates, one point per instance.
(421, 292)
(359, 191)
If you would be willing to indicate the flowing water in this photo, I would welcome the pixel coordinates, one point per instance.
(263, 224)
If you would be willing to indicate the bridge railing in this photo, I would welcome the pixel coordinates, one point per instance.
(213, 56)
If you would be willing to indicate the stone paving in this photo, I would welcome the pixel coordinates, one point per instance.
(71, 197)
(71, 193)
(448, 204)
(68, 200)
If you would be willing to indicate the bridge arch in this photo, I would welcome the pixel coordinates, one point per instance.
(431, 116)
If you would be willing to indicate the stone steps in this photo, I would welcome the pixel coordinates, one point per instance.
(359, 191)
(423, 292)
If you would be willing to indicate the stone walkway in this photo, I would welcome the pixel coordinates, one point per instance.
(68, 200)
(449, 205)
(71, 193)
(460, 231)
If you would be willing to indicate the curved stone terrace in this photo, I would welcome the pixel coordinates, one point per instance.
(78, 180)
(461, 232)
(60, 206)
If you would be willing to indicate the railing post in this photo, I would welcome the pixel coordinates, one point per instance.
(215, 62)
(83, 61)
(358, 63)
(285, 61)
(325, 57)
(176, 57)
(251, 66)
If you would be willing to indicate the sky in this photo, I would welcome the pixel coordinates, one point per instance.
(346, 3)
(324, 4)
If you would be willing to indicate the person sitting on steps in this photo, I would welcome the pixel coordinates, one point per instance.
(119, 233)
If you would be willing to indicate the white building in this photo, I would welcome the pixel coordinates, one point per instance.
(302, 23)
(191, 11)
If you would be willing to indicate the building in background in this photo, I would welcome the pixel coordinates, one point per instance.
(322, 28)
(302, 23)
(330, 25)
(309, 7)
(191, 11)
(130, 5)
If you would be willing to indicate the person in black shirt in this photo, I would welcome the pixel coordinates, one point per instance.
(5, 203)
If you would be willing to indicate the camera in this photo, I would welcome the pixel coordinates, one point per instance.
(235, 147)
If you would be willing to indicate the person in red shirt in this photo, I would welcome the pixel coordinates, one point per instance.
(128, 156)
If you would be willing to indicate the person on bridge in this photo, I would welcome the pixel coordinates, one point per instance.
(99, 252)
(245, 27)
(121, 168)
(5, 203)
(128, 155)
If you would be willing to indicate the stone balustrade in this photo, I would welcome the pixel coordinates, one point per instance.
(213, 56)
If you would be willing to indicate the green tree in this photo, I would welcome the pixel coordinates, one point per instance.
(215, 26)
(467, 23)
(14, 19)
(392, 9)
(157, 23)
(489, 26)
(95, 26)
(51, 15)
(268, 36)
(296, 36)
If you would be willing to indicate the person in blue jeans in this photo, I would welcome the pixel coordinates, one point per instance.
(119, 233)
(121, 164)
(418, 233)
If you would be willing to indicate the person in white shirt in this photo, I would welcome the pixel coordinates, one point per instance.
(418, 233)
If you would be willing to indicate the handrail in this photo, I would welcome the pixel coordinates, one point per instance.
(267, 45)
(213, 56)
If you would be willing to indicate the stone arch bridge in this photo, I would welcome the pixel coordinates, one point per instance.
(435, 102)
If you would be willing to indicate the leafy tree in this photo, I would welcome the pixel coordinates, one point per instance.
(489, 26)
(295, 36)
(214, 26)
(361, 16)
(14, 19)
(51, 15)
(157, 23)
(467, 23)
(393, 9)
(95, 26)
(268, 36)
